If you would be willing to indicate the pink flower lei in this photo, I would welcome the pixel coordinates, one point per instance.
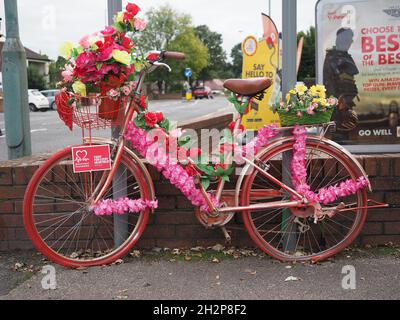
(299, 175)
(180, 178)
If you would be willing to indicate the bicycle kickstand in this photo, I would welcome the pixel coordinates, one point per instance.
(227, 236)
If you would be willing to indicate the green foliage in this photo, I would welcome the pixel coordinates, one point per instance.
(35, 79)
(55, 68)
(307, 68)
(237, 61)
(218, 66)
(197, 56)
(163, 26)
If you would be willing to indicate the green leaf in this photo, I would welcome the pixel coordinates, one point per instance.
(140, 122)
(205, 183)
(165, 125)
(185, 142)
(226, 178)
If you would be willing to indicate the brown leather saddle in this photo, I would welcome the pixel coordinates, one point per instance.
(248, 87)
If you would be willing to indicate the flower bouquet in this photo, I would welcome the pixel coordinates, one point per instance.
(103, 67)
(306, 106)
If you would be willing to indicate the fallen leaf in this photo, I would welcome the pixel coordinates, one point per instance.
(288, 267)
(176, 252)
(118, 262)
(290, 279)
(252, 272)
(136, 254)
(188, 258)
(215, 260)
(218, 248)
(197, 249)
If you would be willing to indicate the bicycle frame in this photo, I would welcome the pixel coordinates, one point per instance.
(298, 201)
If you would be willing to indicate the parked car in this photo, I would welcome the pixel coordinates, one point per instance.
(37, 101)
(202, 92)
(51, 96)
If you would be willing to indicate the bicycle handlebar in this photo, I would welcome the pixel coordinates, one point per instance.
(172, 55)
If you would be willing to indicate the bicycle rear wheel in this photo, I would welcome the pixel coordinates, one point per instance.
(59, 221)
(290, 235)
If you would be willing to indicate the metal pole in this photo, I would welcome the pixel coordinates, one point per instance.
(120, 179)
(289, 81)
(15, 86)
(269, 8)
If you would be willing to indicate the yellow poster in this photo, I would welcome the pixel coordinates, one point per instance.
(261, 59)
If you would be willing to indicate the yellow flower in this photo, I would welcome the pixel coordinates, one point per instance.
(301, 89)
(288, 97)
(79, 88)
(292, 92)
(119, 17)
(122, 57)
(318, 91)
(66, 50)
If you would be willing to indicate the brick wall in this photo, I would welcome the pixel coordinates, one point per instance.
(174, 224)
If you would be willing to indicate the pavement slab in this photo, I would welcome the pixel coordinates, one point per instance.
(250, 278)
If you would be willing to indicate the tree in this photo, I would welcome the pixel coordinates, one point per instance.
(217, 55)
(35, 79)
(307, 68)
(197, 54)
(169, 30)
(55, 68)
(237, 61)
(163, 26)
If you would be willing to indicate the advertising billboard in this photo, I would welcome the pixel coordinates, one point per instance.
(358, 60)
(261, 59)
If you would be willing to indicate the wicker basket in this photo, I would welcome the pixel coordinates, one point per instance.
(289, 119)
(94, 112)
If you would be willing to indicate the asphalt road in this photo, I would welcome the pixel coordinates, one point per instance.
(49, 134)
(376, 277)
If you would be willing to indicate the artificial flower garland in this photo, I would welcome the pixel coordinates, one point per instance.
(122, 206)
(299, 175)
(184, 181)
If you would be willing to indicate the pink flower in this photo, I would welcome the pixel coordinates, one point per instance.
(299, 114)
(67, 74)
(176, 134)
(109, 31)
(310, 110)
(84, 42)
(113, 93)
(140, 25)
(126, 90)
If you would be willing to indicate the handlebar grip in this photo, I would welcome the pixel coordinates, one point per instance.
(171, 55)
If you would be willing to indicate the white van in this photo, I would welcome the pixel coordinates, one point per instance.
(37, 101)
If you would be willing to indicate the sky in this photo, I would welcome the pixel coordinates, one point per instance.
(46, 24)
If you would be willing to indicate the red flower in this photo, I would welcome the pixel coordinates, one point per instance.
(194, 153)
(143, 102)
(127, 43)
(191, 170)
(153, 118)
(133, 9)
(233, 124)
(128, 17)
(220, 165)
(152, 57)
(227, 147)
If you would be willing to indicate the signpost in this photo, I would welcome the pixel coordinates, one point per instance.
(15, 86)
(289, 81)
(120, 179)
(189, 75)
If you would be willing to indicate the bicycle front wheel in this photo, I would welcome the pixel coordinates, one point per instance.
(290, 235)
(59, 221)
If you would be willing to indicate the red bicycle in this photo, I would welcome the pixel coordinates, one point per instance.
(58, 205)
